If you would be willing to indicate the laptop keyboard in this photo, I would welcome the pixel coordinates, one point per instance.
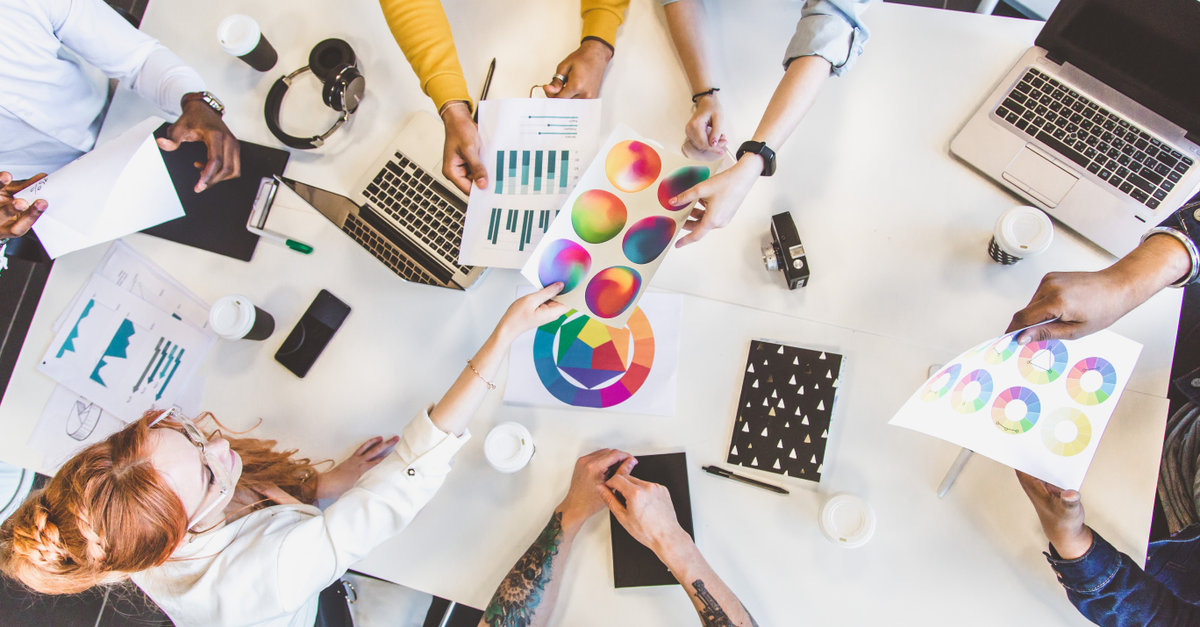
(1138, 164)
(386, 252)
(421, 205)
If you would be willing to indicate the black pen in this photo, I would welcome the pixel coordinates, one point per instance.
(721, 472)
(487, 84)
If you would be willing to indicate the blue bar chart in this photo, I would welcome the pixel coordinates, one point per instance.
(541, 172)
(514, 229)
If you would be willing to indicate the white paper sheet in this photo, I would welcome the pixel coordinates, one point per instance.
(141, 277)
(1041, 408)
(591, 365)
(616, 226)
(534, 151)
(123, 353)
(118, 188)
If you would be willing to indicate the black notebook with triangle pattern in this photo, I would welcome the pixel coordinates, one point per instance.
(783, 413)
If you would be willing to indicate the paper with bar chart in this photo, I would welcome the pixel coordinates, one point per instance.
(535, 151)
(122, 353)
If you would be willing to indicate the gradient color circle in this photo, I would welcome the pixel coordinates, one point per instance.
(632, 166)
(965, 406)
(1033, 409)
(612, 291)
(1000, 351)
(1034, 374)
(1108, 381)
(648, 238)
(933, 390)
(585, 363)
(566, 261)
(598, 216)
(1083, 435)
(679, 181)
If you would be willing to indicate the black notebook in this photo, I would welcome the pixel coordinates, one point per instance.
(634, 564)
(215, 219)
(783, 413)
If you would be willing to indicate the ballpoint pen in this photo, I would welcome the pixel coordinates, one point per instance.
(721, 472)
(487, 84)
(288, 242)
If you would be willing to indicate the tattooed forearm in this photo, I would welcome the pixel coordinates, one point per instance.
(712, 614)
(520, 593)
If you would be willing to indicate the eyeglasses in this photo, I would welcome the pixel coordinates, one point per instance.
(218, 479)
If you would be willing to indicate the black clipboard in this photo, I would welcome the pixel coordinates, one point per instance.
(215, 219)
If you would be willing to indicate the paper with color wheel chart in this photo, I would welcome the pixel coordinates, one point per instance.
(118, 188)
(534, 151)
(616, 227)
(577, 362)
(122, 353)
(1040, 408)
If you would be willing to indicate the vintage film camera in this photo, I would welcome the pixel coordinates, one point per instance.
(786, 252)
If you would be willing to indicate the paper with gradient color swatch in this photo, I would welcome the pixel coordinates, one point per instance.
(1040, 408)
(616, 227)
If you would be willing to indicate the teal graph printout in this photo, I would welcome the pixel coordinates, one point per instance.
(535, 150)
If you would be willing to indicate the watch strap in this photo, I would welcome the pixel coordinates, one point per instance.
(760, 149)
(207, 98)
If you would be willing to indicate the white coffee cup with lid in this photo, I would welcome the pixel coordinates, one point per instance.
(847, 520)
(1020, 232)
(508, 447)
(235, 317)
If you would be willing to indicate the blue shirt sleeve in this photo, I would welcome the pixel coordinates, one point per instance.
(1108, 588)
(832, 30)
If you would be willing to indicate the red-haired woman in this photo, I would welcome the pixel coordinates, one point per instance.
(222, 531)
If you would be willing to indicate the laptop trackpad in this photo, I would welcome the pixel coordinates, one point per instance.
(1042, 178)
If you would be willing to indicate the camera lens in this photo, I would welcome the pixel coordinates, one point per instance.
(770, 258)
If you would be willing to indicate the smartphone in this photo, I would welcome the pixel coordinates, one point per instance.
(309, 337)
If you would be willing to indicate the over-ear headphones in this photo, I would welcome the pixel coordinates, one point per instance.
(333, 62)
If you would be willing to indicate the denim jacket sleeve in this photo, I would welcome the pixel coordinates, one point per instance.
(1185, 222)
(1108, 588)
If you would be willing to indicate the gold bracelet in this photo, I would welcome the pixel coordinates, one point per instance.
(491, 386)
(446, 105)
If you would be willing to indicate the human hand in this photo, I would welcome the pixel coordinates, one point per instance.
(584, 70)
(460, 155)
(1061, 514)
(200, 123)
(18, 214)
(647, 513)
(583, 498)
(531, 311)
(1083, 302)
(720, 197)
(706, 130)
(334, 482)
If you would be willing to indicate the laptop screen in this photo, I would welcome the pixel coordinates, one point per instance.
(1148, 50)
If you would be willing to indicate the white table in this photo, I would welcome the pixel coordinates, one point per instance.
(895, 229)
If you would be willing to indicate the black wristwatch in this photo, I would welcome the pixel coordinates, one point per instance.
(760, 149)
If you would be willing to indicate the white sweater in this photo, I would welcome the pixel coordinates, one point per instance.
(268, 567)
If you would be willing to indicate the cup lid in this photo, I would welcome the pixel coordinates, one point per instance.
(508, 446)
(1024, 231)
(232, 316)
(847, 521)
(238, 34)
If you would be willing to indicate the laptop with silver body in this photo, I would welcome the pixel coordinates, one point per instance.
(1126, 65)
(404, 212)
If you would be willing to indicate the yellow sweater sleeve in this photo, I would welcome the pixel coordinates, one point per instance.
(602, 17)
(423, 32)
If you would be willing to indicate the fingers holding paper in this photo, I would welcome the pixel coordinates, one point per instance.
(532, 311)
(706, 130)
(1061, 515)
(17, 215)
(200, 123)
(461, 162)
(1082, 302)
(584, 71)
(719, 198)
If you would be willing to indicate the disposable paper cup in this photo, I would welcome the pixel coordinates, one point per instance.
(1020, 232)
(508, 447)
(240, 36)
(234, 317)
(847, 521)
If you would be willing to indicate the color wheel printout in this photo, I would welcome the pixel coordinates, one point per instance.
(1040, 408)
(578, 361)
(616, 227)
(534, 151)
